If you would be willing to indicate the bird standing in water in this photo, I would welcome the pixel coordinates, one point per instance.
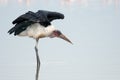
(38, 25)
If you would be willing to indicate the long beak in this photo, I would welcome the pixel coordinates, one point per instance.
(65, 38)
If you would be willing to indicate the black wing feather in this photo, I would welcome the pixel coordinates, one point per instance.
(29, 16)
(48, 15)
(18, 28)
(54, 15)
(40, 16)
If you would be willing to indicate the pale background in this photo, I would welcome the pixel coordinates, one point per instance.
(92, 25)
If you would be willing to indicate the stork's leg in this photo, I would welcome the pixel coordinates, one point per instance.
(38, 60)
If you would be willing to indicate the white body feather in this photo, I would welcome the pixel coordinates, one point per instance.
(36, 30)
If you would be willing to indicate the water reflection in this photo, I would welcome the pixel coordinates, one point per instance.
(85, 3)
(3, 1)
(24, 1)
(27, 2)
(88, 2)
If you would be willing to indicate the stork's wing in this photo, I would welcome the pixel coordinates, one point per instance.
(49, 16)
(40, 16)
(54, 15)
(18, 28)
(29, 16)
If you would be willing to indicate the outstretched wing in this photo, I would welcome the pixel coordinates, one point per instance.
(48, 15)
(22, 22)
(29, 16)
(18, 28)
(40, 16)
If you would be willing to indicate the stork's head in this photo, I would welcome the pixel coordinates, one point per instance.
(58, 34)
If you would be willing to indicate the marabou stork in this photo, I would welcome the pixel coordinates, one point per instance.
(37, 25)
